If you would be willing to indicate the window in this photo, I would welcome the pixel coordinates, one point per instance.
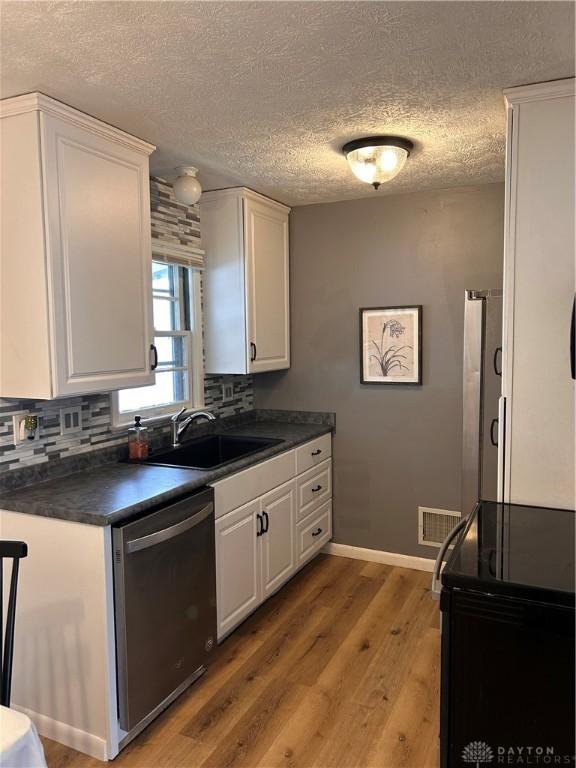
(177, 338)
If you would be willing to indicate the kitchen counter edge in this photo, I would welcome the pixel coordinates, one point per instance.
(41, 499)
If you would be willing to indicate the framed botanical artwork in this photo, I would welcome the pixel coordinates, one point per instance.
(391, 345)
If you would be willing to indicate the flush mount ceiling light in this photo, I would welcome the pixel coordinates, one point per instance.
(377, 159)
(187, 188)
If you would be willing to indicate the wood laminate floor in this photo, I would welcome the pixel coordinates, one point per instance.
(340, 669)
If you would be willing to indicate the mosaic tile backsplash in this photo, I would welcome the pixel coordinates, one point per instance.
(171, 221)
(97, 429)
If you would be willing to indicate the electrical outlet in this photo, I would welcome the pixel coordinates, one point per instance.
(70, 420)
(227, 392)
(25, 427)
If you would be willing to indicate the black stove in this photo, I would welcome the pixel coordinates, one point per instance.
(508, 668)
(516, 551)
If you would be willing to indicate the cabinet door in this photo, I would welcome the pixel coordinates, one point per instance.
(267, 298)
(225, 342)
(277, 540)
(98, 226)
(539, 292)
(238, 590)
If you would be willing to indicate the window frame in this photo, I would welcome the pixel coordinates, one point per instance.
(195, 351)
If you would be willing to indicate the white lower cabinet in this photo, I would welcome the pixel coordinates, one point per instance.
(262, 543)
(238, 580)
(255, 554)
(313, 453)
(277, 539)
(314, 488)
(313, 533)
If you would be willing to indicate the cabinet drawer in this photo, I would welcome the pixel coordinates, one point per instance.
(312, 534)
(313, 453)
(314, 488)
(244, 486)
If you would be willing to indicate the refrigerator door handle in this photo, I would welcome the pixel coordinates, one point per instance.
(497, 359)
(436, 584)
(573, 340)
(494, 440)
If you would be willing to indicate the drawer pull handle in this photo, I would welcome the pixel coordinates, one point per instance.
(317, 452)
(316, 488)
(266, 522)
(260, 525)
(317, 532)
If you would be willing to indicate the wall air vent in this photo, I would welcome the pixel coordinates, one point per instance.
(435, 524)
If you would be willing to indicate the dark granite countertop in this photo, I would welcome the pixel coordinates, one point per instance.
(108, 494)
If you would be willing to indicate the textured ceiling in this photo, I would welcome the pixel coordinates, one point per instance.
(264, 93)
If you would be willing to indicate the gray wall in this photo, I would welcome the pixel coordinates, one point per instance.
(395, 447)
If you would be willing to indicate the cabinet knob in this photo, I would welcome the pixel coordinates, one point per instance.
(317, 532)
(317, 452)
(316, 488)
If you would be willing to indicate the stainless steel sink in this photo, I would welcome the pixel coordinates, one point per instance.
(211, 451)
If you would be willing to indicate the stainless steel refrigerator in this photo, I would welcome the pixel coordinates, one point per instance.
(507, 592)
(482, 388)
(482, 377)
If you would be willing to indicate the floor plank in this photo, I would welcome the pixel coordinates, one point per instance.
(410, 732)
(368, 694)
(249, 739)
(338, 670)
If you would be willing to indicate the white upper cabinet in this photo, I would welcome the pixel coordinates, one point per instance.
(537, 386)
(247, 313)
(267, 298)
(75, 259)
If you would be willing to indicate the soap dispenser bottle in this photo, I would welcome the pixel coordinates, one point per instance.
(138, 441)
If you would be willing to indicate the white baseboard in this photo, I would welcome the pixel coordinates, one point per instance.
(67, 734)
(378, 556)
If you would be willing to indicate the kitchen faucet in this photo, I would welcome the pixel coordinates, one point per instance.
(179, 427)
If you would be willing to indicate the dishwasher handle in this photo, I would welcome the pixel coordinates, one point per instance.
(169, 533)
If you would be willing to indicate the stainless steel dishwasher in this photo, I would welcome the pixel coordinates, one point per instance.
(165, 606)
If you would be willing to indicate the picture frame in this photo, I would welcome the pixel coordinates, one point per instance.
(391, 345)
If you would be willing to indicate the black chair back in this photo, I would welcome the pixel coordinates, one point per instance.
(15, 550)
